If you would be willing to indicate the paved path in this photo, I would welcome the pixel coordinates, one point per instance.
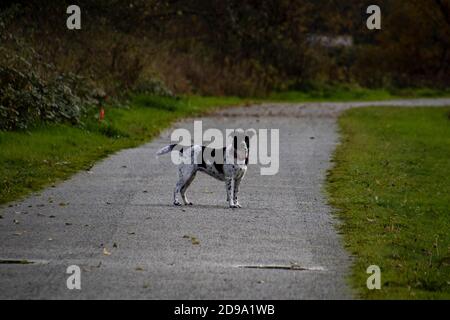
(117, 224)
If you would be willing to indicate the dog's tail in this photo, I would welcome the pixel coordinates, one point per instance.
(166, 149)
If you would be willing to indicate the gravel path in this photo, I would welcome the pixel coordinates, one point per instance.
(116, 222)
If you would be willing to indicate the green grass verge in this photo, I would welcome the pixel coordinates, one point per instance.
(41, 156)
(391, 186)
(354, 93)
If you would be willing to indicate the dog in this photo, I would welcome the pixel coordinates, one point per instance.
(227, 164)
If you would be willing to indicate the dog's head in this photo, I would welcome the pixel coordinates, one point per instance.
(241, 147)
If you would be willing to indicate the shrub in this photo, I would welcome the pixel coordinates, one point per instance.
(27, 98)
(152, 86)
(33, 91)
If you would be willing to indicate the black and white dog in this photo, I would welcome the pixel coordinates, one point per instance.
(227, 164)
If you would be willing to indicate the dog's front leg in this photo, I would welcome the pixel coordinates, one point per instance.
(237, 182)
(230, 192)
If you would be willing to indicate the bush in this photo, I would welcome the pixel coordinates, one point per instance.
(33, 91)
(27, 98)
(152, 86)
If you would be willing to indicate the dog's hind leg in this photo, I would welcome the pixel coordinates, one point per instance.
(175, 192)
(184, 189)
(185, 176)
(178, 187)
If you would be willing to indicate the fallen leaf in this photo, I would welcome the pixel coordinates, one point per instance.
(131, 232)
(50, 239)
(16, 221)
(139, 269)
(115, 245)
(194, 240)
(52, 216)
(62, 204)
(68, 224)
(106, 252)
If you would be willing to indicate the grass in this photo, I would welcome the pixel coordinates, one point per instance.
(355, 93)
(391, 186)
(33, 159)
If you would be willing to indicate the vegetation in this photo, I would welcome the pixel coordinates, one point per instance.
(354, 93)
(390, 183)
(239, 48)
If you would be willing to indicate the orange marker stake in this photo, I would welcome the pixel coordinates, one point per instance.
(101, 115)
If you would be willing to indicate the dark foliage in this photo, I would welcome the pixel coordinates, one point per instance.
(209, 47)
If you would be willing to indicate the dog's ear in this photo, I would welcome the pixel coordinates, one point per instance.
(235, 142)
(247, 142)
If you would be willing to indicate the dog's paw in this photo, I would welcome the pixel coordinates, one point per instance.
(176, 203)
(238, 205)
(233, 206)
(189, 204)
